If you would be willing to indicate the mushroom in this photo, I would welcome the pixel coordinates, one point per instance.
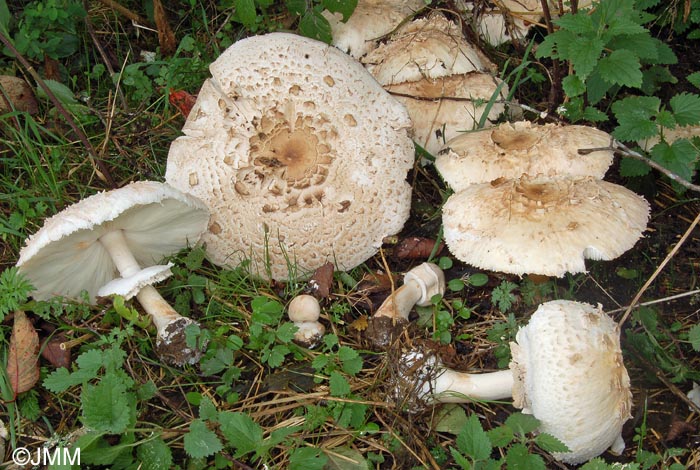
(89, 244)
(444, 81)
(370, 20)
(539, 225)
(420, 284)
(299, 154)
(510, 150)
(304, 310)
(507, 21)
(671, 135)
(566, 370)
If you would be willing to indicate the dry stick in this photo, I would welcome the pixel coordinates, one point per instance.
(670, 255)
(125, 11)
(655, 301)
(98, 164)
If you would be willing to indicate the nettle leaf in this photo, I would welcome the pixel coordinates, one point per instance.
(621, 25)
(106, 407)
(641, 45)
(580, 23)
(350, 359)
(519, 458)
(573, 86)
(344, 7)
(339, 386)
(314, 25)
(622, 68)
(550, 443)
(585, 55)
(307, 458)
(501, 436)
(154, 455)
(635, 117)
(631, 167)
(596, 87)
(686, 108)
(679, 157)
(200, 441)
(245, 13)
(694, 79)
(522, 423)
(473, 441)
(296, 7)
(694, 337)
(596, 464)
(240, 431)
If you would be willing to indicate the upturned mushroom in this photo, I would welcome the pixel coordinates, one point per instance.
(444, 81)
(369, 22)
(566, 370)
(304, 311)
(510, 150)
(299, 154)
(420, 284)
(537, 225)
(101, 244)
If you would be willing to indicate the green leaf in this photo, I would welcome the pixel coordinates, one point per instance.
(461, 460)
(245, 13)
(580, 23)
(573, 86)
(451, 418)
(106, 406)
(478, 279)
(286, 331)
(522, 423)
(501, 436)
(207, 409)
(550, 443)
(154, 455)
(344, 7)
(240, 431)
(473, 441)
(585, 55)
(622, 68)
(622, 26)
(694, 337)
(694, 79)
(343, 458)
(314, 25)
(275, 356)
(339, 386)
(595, 464)
(594, 115)
(14, 290)
(631, 167)
(200, 441)
(634, 116)
(519, 458)
(350, 359)
(686, 108)
(307, 458)
(679, 157)
(296, 7)
(596, 87)
(643, 46)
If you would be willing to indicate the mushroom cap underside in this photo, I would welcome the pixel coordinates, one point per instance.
(300, 155)
(513, 149)
(65, 257)
(569, 374)
(542, 225)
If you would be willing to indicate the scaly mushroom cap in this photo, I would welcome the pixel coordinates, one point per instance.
(371, 20)
(425, 48)
(300, 155)
(64, 256)
(563, 344)
(542, 225)
(513, 149)
(508, 20)
(443, 108)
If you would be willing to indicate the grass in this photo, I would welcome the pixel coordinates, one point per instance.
(257, 399)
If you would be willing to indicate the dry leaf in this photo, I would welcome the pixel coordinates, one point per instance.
(166, 37)
(416, 248)
(360, 324)
(321, 282)
(19, 93)
(23, 358)
(55, 353)
(182, 100)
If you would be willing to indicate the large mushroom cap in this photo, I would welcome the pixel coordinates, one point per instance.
(513, 149)
(370, 20)
(542, 225)
(64, 256)
(300, 155)
(569, 374)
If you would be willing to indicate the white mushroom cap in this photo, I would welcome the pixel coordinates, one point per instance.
(304, 308)
(513, 149)
(371, 20)
(65, 256)
(130, 286)
(443, 108)
(570, 375)
(300, 155)
(542, 225)
(671, 135)
(508, 20)
(425, 48)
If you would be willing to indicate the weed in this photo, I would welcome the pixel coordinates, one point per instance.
(503, 297)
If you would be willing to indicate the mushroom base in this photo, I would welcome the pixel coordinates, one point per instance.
(383, 330)
(172, 347)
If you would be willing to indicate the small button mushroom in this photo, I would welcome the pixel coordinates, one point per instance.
(420, 285)
(90, 244)
(304, 310)
(566, 370)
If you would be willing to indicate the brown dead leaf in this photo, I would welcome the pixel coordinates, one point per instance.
(321, 282)
(416, 248)
(54, 351)
(166, 37)
(23, 358)
(360, 324)
(18, 93)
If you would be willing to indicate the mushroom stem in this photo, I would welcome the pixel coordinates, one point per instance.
(401, 301)
(169, 323)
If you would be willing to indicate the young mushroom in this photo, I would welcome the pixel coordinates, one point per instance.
(304, 310)
(566, 370)
(420, 284)
(101, 244)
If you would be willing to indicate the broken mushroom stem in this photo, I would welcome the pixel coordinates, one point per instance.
(420, 285)
(169, 324)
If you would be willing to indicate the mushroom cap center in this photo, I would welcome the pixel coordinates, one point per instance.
(295, 150)
(514, 139)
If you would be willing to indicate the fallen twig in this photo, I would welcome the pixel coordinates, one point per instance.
(656, 301)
